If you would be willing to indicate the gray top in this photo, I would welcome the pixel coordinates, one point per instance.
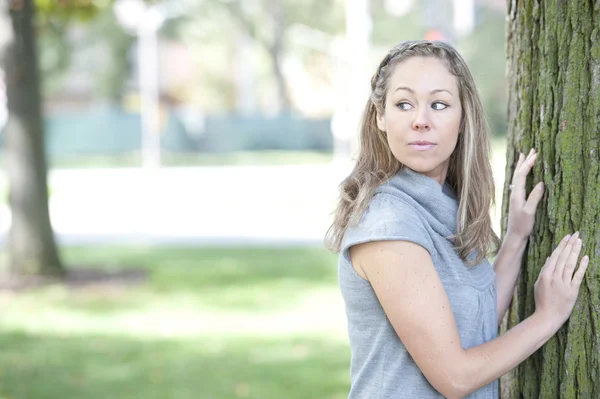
(412, 207)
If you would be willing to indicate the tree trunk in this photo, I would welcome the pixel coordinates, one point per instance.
(276, 51)
(273, 42)
(554, 106)
(31, 246)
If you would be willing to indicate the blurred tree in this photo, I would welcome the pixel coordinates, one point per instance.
(52, 21)
(266, 22)
(99, 28)
(105, 31)
(31, 246)
(554, 106)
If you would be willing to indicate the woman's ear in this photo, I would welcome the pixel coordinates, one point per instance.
(380, 122)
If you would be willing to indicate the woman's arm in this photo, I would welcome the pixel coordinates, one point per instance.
(521, 219)
(407, 285)
(507, 267)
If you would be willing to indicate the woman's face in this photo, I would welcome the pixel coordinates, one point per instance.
(422, 115)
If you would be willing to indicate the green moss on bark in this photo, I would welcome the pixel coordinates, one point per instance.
(553, 50)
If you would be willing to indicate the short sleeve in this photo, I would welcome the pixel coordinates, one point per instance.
(388, 218)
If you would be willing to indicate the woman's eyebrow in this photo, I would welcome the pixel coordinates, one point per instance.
(440, 90)
(413, 92)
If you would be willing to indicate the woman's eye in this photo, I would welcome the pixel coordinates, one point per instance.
(404, 106)
(438, 106)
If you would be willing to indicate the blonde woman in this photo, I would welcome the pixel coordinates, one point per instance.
(413, 231)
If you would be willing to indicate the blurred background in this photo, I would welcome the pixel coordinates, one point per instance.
(194, 149)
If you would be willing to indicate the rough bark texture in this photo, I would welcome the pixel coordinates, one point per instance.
(31, 246)
(553, 49)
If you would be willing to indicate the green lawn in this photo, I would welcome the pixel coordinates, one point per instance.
(207, 323)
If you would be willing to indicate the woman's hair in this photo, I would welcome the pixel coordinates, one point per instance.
(469, 171)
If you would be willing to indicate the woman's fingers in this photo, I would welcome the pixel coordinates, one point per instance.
(521, 171)
(520, 161)
(563, 256)
(534, 199)
(551, 262)
(578, 276)
(571, 261)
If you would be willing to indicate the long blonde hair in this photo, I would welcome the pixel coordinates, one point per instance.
(469, 171)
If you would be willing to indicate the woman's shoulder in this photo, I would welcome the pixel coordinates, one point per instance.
(388, 218)
(385, 207)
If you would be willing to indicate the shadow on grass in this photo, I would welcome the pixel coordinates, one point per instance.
(52, 367)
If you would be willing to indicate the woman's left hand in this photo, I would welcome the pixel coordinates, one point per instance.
(521, 212)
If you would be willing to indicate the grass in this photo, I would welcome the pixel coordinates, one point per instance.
(208, 323)
(96, 366)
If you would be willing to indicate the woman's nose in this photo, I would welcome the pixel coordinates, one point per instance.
(421, 121)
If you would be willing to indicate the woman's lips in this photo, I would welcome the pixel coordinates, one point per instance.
(422, 147)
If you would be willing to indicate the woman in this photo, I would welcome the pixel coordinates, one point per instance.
(413, 231)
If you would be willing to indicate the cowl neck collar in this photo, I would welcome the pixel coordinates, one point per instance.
(437, 204)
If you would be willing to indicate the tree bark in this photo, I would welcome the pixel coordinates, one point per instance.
(31, 246)
(553, 50)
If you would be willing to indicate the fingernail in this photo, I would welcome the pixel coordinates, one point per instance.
(540, 186)
(576, 234)
(567, 237)
(586, 259)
